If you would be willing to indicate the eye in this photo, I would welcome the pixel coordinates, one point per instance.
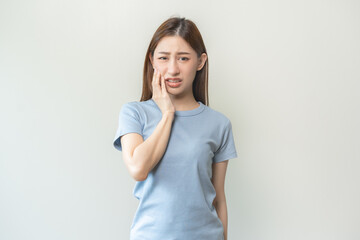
(162, 58)
(184, 58)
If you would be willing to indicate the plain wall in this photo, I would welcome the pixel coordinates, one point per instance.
(286, 73)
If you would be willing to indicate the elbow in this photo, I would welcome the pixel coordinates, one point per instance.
(137, 170)
(140, 177)
(136, 167)
(139, 174)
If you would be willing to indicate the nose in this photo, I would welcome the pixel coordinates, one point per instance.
(173, 68)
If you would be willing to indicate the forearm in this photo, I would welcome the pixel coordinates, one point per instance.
(148, 153)
(221, 210)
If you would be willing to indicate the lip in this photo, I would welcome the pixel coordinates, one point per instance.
(173, 84)
(173, 79)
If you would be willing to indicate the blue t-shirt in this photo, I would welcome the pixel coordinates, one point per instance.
(175, 200)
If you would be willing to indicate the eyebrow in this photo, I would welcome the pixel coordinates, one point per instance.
(167, 53)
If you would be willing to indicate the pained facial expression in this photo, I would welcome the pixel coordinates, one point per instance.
(175, 58)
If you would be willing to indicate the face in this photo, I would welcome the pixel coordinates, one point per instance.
(176, 59)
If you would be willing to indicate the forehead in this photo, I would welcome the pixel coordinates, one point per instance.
(173, 44)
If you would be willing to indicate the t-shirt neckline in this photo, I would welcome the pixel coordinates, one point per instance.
(185, 113)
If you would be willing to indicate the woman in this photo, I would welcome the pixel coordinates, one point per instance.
(174, 145)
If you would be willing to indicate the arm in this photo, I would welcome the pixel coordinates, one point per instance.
(218, 180)
(142, 156)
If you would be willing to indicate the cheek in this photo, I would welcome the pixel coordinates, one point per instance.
(192, 67)
(159, 66)
(191, 71)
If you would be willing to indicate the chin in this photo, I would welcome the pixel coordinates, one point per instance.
(174, 91)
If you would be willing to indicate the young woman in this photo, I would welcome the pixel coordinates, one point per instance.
(174, 145)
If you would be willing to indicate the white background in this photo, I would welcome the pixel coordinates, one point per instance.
(285, 72)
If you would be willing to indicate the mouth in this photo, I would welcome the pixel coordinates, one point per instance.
(173, 82)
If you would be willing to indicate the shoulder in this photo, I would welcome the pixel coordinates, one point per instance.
(138, 106)
(141, 110)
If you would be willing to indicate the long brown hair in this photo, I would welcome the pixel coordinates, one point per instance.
(186, 29)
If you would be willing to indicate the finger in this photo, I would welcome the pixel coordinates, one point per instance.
(156, 82)
(158, 76)
(163, 87)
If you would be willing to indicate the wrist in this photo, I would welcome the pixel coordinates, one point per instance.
(168, 114)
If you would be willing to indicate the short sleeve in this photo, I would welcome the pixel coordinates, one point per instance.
(129, 122)
(227, 149)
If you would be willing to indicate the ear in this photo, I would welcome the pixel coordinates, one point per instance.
(202, 61)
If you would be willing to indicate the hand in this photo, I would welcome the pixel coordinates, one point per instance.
(160, 94)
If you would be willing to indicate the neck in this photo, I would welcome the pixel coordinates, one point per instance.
(184, 103)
